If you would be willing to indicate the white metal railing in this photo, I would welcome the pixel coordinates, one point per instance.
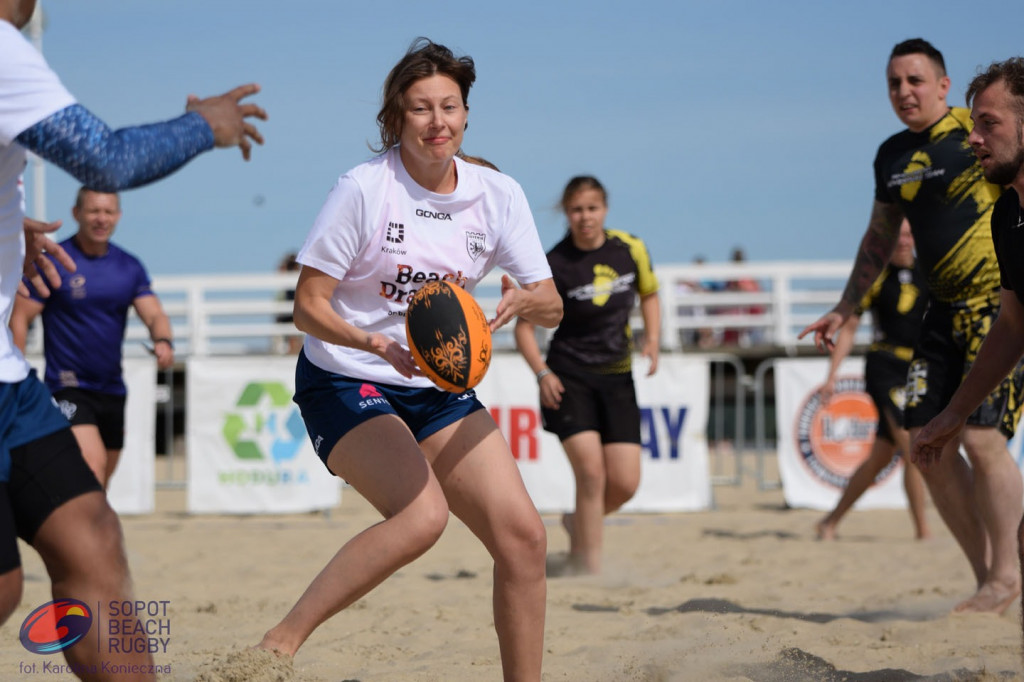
(236, 314)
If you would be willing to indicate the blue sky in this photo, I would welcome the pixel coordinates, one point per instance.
(712, 124)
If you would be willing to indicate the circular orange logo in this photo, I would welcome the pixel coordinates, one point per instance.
(834, 439)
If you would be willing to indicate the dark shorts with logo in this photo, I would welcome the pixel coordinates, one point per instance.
(950, 339)
(605, 403)
(105, 411)
(332, 405)
(885, 379)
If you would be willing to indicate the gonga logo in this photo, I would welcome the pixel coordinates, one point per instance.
(55, 626)
(834, 439)
(267, 425)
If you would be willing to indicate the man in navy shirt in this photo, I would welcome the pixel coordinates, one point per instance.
(84, 324)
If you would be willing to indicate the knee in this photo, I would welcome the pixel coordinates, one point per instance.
(425, 520)
(591, 478)
(10, 593)
(985, 447)
(620, 491)
(106, 531)
(523, 548)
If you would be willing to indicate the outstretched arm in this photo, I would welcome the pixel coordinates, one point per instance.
(110, 160)
(840, 351)
(875, 251)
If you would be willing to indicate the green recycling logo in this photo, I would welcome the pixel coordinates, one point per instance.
(267, 424)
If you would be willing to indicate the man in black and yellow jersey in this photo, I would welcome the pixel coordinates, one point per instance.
(997, 95)
(929, 174)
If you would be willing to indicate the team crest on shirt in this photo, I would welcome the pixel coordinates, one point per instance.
(394, 236)
(476, 244)
(77, 284)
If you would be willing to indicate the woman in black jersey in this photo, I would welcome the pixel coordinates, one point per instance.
(586, 384)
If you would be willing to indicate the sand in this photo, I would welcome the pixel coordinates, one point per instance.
(743, 592)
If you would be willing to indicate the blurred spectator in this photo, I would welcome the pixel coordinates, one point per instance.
(702, 337)
(746, 336)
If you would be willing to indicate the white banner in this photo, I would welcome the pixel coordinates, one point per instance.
(674, 414)
(131, 489)
(248, 451)
(819, 447)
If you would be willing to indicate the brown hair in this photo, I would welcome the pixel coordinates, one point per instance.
(580, 183)
(1010, 72)
(424, 58)
(477, 160)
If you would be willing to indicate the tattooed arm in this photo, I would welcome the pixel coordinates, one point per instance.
(875, 251)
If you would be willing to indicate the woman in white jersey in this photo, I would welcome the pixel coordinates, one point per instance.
(416, 213)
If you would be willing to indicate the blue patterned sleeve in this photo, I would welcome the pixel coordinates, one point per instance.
(111, 160)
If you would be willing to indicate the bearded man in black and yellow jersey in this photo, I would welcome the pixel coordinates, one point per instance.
(928, 174)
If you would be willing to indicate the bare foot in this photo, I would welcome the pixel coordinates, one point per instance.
(990, 598)
(564, 565)
(825, 530)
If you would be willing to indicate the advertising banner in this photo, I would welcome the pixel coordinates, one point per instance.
(674, 414)
(132, 488)
(248, 451)
(820, 446)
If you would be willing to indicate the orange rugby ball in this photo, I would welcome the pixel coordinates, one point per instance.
(448, 335)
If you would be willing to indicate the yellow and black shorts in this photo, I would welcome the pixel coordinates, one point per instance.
(951, 336)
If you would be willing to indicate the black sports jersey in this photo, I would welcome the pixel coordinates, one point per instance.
(598, 290)
(1008, 237)
(897, 301)
(935, 178)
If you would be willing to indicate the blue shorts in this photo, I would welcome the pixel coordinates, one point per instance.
(332, 405)
(27, 413)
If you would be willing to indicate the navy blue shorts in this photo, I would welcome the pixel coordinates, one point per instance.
(332, 405)
(27, 412)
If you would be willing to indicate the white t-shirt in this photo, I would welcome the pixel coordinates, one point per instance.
(29, 93)
(382, 236)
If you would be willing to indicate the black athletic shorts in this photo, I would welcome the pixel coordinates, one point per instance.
(103, 410)
(605, 403)
(885, 378)
(950, 338)
(9, 556)
(45, 474)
